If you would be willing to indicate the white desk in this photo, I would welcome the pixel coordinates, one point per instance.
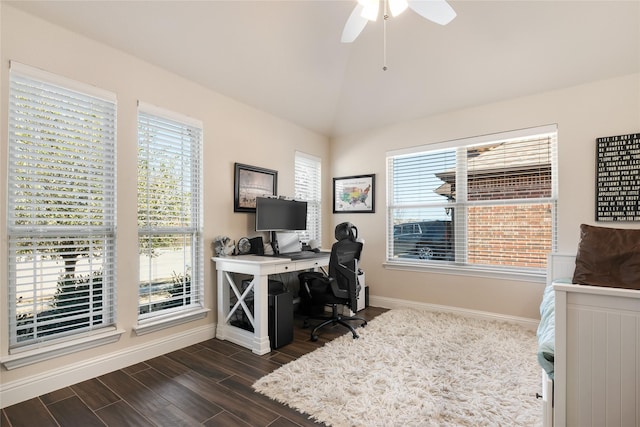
(260, 267)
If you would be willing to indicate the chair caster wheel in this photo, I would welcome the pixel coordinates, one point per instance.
(363, 325)
(356, 336)
(314, 338)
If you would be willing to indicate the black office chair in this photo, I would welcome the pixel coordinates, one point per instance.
(341, 287)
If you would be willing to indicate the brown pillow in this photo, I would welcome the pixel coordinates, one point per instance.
(608, 257)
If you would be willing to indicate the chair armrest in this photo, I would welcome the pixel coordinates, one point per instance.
(350, 293)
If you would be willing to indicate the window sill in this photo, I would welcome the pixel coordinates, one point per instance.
(469, 271)
(45, 351)
(158, 323)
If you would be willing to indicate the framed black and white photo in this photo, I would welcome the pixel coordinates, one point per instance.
(251, 182)
(354, 194)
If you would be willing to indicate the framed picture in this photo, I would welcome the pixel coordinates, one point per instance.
(355, 194)
(251, 182)
(618, 178)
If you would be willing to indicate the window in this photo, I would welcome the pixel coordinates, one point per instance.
(486, 203)
(308, 187)
(169, 212)
(61, 208)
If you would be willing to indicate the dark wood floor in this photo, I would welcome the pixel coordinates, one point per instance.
(207, 384)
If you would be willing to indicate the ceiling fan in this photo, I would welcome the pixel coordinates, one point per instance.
(437, 11)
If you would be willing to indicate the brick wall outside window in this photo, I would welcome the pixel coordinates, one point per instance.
(510, 235)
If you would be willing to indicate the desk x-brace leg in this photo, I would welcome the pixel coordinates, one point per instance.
(241, 299)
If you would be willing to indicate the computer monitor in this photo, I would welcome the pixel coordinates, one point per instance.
(275, 214)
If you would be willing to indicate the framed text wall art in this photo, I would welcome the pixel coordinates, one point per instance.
(618, 178)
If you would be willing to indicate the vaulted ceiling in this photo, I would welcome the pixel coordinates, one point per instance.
(286, 58)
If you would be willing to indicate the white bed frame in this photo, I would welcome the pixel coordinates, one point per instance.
(597, 353)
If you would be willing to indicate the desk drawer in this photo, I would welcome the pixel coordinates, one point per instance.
(310, 263)
(283, 268)
(299, 265)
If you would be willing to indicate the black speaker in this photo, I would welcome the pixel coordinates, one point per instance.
(257, 247)
(280, 318)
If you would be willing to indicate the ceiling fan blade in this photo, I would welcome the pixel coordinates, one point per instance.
(354, 26)
(437, 11)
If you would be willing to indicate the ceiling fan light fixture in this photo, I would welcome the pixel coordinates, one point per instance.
(437, 11)
(398, 6)
(370, 9)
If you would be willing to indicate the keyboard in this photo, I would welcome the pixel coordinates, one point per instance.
(304, 255)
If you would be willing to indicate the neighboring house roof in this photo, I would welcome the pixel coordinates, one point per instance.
(514, 155)
(515, 158)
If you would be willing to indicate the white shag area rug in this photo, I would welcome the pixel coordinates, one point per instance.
(416, 368)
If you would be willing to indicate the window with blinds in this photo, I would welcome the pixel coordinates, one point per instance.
(61, 207)
(486, 203)
(169, 212)
(308, 187)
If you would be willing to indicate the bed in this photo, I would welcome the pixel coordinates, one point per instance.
(559, 269)
(589, 346)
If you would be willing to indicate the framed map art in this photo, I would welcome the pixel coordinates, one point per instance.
(354, 194)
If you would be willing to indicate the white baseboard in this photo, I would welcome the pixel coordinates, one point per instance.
(46, 382)
(391, 303)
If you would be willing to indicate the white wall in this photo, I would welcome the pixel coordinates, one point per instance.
(582, 113)
(233, 132)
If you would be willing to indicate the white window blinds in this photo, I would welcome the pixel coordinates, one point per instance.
(169, 211)
(308, 187)
(61, 207)
(487, 202)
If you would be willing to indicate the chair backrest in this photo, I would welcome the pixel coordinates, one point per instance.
(343, 263)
